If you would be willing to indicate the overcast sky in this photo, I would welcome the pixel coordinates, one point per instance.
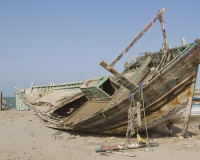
(64, 41)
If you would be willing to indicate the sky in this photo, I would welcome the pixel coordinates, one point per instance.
(63, 41)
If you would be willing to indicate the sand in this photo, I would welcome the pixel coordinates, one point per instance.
(23, 136)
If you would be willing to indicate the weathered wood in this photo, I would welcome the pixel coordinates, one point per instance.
(121, 79)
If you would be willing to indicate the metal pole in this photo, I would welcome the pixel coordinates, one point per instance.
(1, 108)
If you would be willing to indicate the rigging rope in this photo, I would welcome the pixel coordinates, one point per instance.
(145, 121)
(131, 122)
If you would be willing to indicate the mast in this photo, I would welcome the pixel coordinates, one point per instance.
(158, 16)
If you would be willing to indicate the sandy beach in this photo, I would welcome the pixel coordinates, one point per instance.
(23, 136)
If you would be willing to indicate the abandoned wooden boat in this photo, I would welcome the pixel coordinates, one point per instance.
(152, 92)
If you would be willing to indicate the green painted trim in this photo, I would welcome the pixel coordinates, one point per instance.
(102, 81)
(17, 101)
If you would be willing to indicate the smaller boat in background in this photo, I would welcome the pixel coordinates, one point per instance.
(196, 104)
(6, 104)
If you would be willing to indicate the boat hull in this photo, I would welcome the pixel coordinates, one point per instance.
(163, 95)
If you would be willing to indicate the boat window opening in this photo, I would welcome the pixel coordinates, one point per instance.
(71, 107)
(109, 87)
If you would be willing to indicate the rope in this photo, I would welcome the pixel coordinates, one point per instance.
(131, 123)
(130, 127)
(145, 121)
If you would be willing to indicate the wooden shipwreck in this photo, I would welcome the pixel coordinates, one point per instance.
(152, 92)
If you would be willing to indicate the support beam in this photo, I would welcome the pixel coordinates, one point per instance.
(140, 73)
(121, 79)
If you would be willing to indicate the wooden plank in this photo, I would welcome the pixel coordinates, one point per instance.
(90, 108)
(122, 80)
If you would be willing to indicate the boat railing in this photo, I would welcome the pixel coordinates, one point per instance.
(179, 56)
